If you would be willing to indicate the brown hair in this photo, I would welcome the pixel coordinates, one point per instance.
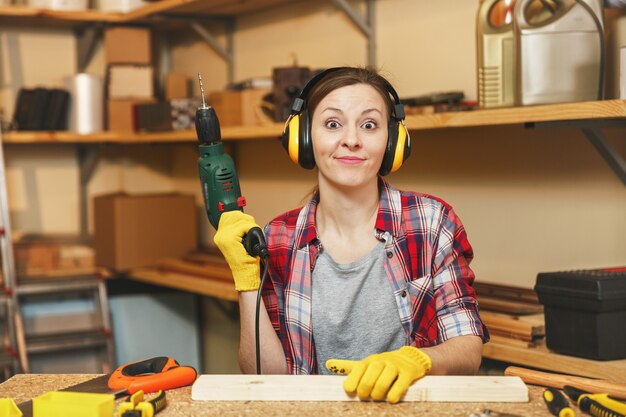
(346, 76)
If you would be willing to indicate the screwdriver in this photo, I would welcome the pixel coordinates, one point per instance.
(599, 405)
(557, 403)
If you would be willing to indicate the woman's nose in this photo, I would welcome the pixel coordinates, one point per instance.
(351, 138)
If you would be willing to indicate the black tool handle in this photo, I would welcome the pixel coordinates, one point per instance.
(557, 403)
(254, 242)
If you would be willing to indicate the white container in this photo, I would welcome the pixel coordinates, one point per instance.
(86, 103)
(123, 6)
(495, 53)
(622, 73)
(559, 53)
(68, 4)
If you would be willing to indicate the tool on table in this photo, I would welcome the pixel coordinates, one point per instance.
(557, 403)
(490, 413)
(599, 405)
(152, 375)
(73, 404)
(220, 184)
(548, 379)
(136, 406)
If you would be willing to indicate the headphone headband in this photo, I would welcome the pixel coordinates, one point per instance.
(298, 103)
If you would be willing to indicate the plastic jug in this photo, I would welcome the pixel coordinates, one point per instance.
(496, 53)
(559, 46)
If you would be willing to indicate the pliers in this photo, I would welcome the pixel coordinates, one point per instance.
(137, 407)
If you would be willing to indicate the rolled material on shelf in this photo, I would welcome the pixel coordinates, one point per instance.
(86, 103)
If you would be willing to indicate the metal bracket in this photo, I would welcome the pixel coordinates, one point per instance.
(225, 52)
(86, 40)
(88, 157)
(591, 130)
(366, 26)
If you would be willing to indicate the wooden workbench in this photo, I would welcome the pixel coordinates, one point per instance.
(23, 387)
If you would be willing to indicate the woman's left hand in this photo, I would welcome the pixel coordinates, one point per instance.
(381, 375)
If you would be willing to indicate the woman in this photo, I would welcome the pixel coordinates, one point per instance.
(365, 279)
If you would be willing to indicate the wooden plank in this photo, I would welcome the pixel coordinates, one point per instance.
(594, 386)
(508, 306)
(542, 358)
(503, 324)
(215, 270)
(197, 285)
(329, 388)
(489, 289)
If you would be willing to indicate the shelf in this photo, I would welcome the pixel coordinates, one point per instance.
(272, 131)
(197, 8)
(591, 110)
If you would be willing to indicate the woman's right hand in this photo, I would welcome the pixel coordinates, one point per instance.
(231, 229)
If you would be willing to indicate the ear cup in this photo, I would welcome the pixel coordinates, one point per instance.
(398, 148)
(290, 137)
(296, 140)
(306, 159)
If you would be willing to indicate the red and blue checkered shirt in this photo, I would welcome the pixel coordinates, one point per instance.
(427, 265)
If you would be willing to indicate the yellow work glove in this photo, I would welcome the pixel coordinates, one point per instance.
(231, 229)
(381, 375)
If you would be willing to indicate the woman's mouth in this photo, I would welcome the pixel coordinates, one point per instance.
(350, 160)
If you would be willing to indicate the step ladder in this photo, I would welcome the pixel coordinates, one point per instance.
(13, 357)
(21, 343)
(93, 333)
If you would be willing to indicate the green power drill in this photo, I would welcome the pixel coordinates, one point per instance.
(220, 184)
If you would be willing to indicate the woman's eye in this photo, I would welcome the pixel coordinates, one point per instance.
(332, 124)
(369, 125)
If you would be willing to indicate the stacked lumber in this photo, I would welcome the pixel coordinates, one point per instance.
(199, 264)
(513, 315)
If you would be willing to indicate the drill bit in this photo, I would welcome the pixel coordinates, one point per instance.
(204, 106)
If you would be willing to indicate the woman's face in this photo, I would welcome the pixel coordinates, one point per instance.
(349, 135)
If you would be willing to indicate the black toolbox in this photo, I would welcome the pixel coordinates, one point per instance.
(585, 312)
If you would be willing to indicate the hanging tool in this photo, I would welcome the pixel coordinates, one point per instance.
(220, 184)
(599, 405)
(135, 406)
(557, 403)
(152, 375)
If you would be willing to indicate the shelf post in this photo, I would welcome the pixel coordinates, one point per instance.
(604, 148)
(87, 162)
(225, 52)
(366, 26)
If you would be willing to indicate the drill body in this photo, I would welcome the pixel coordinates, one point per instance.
(218, 177)
(220, 185)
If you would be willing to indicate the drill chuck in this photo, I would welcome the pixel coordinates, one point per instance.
(207, 126)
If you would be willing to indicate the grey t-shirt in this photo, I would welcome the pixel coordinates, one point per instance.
(354, 313)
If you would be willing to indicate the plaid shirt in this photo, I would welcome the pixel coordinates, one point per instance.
(427, 264)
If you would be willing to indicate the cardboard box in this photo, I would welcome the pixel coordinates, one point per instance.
(121, 114)
(127, 45)
(139, 230)
(130, 81)
(176, 86)
(239, 108)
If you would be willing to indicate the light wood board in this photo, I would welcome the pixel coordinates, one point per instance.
(329, 388)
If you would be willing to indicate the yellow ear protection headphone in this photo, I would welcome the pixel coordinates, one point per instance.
(297, 142)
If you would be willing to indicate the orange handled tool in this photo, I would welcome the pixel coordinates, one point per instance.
(152, 375)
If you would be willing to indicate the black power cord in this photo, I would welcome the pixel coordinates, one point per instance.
(257, 339)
